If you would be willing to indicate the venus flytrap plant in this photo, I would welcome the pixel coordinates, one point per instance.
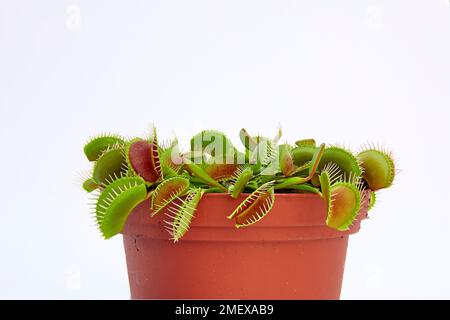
(198, 171)
(345, 204)
(170, 159)
(115, 203)
(242, 178)
(143, 159)
(86, 181)
(110, 165)
(327, 177)
(343, 197)
(90, 185)
(287, 165)
(344, 159)
(306, 142)
(221, 172)
(372, 200)
(312, 168)
(255, 207)
(182, 212)
(215, 144)
(127, 172)
(247, 140)
(167, 191)
(304, 188)
(94, 148)
(379, 168)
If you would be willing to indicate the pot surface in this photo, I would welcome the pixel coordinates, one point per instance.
(290, 254)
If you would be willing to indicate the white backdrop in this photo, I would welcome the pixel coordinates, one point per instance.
(340, 71)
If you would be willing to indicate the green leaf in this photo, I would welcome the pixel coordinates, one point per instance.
(116, 202)
(379, 168)
(346, 202)
(182, 214)
(110, 165)
(241, 182)
(99, 144)
(306, 142)
(255, 207)
(167, 191)
(216, 144)
(201, 174)
(90, 185)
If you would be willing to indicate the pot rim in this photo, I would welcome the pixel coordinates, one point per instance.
(283, 194)
(293, 217)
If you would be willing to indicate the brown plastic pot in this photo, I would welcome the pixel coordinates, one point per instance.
(290, 254)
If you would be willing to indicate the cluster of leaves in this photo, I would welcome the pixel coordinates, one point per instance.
(128, 171)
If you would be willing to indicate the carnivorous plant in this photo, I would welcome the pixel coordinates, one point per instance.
(126, 172)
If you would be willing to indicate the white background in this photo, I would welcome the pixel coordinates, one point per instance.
(340, 71)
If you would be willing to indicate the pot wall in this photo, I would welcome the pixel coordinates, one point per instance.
(290, 254)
